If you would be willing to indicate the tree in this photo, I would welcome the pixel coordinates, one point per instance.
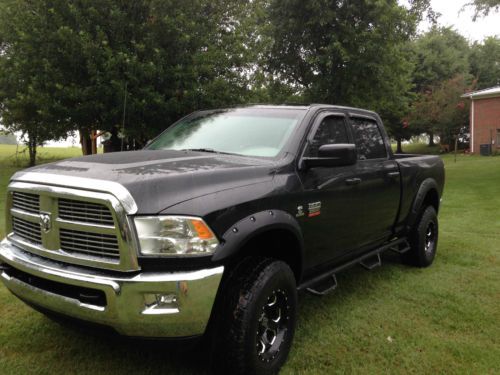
(483, 7)
(439, 55)
(441, 110)
(25, 75)
(485, 62)
(139, 65)
(345, 52)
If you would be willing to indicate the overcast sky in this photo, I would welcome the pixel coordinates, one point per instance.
(451, 15)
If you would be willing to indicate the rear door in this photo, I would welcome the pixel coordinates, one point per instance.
(378, 182)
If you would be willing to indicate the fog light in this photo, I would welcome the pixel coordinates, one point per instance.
(156, 304)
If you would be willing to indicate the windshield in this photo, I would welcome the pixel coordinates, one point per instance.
(245, 131)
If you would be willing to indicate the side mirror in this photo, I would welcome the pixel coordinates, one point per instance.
(334, 155)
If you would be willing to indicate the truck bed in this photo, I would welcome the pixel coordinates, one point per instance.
(414, 170)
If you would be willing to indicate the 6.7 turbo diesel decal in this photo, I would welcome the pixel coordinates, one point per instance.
(313, 209)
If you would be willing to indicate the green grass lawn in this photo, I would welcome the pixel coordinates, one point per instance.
(394, 319)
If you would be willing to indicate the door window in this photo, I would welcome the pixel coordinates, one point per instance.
(368, 139)
(332, 130)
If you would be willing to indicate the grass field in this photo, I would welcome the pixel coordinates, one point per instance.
(392, 320)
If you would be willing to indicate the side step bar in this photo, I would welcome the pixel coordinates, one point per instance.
(327, 285)
(371, 263)
(327, 281)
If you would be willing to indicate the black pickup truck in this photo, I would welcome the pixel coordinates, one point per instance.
(215, 226)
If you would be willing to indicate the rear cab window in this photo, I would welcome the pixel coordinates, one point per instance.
(368, 138)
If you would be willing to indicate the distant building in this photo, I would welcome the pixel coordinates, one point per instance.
(485, 119)
(6, 138)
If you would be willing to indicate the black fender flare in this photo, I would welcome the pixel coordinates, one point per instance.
(426, 186)
(239, 234)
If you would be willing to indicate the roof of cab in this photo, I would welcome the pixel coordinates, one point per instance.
(310, 106)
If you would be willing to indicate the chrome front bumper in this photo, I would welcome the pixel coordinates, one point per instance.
(175, 304)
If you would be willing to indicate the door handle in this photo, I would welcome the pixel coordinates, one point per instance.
(353, 181)
(393, 174)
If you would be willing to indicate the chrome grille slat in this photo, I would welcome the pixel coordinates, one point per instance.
(98, 211)
(71, 249)
(87, 212)
(27, 230)
(27, 202)
(23, 231)
(66, 237)
(86, 235)
(88, 218)
(88, 243)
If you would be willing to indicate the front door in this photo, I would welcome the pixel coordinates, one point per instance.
(329, 204)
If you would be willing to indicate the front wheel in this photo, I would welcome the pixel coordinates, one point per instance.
(256, 318)
(423, 239)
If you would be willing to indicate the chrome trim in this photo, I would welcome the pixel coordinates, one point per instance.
(82, 183)
(126, 309)
(51, 244)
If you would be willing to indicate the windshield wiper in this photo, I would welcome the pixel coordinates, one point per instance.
(210, 150)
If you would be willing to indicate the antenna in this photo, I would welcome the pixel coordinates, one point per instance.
(124, 112)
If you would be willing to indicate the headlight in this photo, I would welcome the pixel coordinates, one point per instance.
(174, 235)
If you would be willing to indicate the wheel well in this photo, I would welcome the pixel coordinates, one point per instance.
(279, 244)
(431, 199)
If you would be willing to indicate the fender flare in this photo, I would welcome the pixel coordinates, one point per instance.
(426, 186)
(239, 234)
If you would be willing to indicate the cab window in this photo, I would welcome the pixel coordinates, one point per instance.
(332, 130)
(368, 139)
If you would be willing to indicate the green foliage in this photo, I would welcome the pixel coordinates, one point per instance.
(75, 62)
(439, 55)
(440, 109)
(345, 52)
(67, 66)
(483, 7)
(485, 62)
(26, 74)
(441, 76)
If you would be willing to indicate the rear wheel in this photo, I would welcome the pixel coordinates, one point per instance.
(423, 239)
(256, 318)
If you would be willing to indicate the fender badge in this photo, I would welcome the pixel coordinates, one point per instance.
(314, 209)
(300, 211)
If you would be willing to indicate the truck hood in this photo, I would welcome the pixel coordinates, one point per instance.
(159, 179)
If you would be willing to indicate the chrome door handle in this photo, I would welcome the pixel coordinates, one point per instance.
(353, 181)
(393, 174)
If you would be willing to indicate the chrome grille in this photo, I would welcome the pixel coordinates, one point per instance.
(81, 227)
(27, 230)
(86, 212)
(93, 244)
(26, 202)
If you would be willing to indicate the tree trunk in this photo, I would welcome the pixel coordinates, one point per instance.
(86, 141)
(399, 149)
(93, 141)
(431, 139)
(32, 150)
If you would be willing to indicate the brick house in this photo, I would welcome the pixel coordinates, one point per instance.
(485, 119)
